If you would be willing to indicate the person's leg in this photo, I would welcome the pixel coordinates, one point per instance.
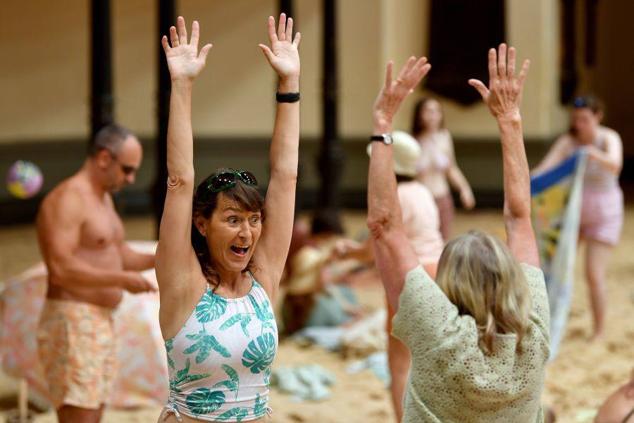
(619, 406)
(597, 255)
(398, 361)
(71, 414)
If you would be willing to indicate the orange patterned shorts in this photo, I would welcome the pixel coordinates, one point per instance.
(77, 351)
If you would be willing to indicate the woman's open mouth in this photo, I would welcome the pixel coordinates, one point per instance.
(240, 251)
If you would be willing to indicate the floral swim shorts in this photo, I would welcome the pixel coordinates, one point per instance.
(77, 351)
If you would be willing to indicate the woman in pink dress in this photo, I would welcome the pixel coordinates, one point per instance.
(437, 167)
(602, 203)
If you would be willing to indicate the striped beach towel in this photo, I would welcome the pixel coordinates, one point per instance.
(556, 208)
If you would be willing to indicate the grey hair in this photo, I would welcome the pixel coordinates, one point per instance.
(110, 137)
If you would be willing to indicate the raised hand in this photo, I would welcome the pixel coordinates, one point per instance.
(504, 95)
(394, 91)
(183, 58)
(282, 55)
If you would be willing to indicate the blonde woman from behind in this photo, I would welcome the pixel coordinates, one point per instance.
(479, 335)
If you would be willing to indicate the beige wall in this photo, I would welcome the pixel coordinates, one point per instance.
(43, 76)
(46, 86)
(532, 27)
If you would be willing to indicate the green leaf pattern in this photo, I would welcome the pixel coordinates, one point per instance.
(259, 353)
(238, 413)
(260, 406)
(263, 312)
(257, 357)
(244, 320)
(204, 401)
(210, 307)
(233, 383)
(204, 345)
(183, 376)
(169, 346)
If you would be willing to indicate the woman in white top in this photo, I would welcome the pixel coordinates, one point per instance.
(220, 257)
(602, 200)
(437, 167)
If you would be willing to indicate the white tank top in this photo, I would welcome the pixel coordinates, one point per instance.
(220, 361)
(597, 177)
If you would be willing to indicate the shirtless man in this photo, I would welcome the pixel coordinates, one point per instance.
(89, 265)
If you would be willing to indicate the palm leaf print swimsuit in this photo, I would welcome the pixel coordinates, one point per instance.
(220, 361)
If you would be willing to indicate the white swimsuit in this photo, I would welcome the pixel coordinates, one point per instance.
(220, 361)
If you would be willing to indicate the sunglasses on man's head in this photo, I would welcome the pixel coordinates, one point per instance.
(126, 169)
(227, 179)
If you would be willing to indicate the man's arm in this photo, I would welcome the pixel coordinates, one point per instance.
(134, 260)
(59, 229)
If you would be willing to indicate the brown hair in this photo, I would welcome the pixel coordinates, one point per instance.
(589, 102)
(204, 203)
(418, 126)
(480, 276)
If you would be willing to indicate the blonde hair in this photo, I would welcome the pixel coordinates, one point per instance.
(480, 276)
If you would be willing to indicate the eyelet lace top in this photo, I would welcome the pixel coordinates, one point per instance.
(452, 379)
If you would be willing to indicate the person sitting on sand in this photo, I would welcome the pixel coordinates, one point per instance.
(313, 294)
(478, 335)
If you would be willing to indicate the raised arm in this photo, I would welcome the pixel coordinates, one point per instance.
(176, 259)
(272, 250)
(503, 97)
(393, 253)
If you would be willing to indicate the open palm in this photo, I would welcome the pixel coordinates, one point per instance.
(183, 58)
(394, 91)
(504, 94)
(282, 55)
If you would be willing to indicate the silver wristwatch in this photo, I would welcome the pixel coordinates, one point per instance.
(384, 138)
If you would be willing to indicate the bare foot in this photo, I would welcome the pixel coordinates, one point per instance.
(597, 337)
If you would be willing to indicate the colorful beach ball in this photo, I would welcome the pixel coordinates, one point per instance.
(24, 179)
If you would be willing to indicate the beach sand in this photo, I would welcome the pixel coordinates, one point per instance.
(576, 383)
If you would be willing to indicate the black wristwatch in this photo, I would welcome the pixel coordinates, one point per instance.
(384, 138)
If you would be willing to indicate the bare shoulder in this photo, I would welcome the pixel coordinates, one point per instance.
(64, 202)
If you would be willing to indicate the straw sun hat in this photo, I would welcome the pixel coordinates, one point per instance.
(406, 151)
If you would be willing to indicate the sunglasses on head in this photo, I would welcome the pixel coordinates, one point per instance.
(226, 179)
(582, 102)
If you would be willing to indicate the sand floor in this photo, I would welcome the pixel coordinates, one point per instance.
(577, 381)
